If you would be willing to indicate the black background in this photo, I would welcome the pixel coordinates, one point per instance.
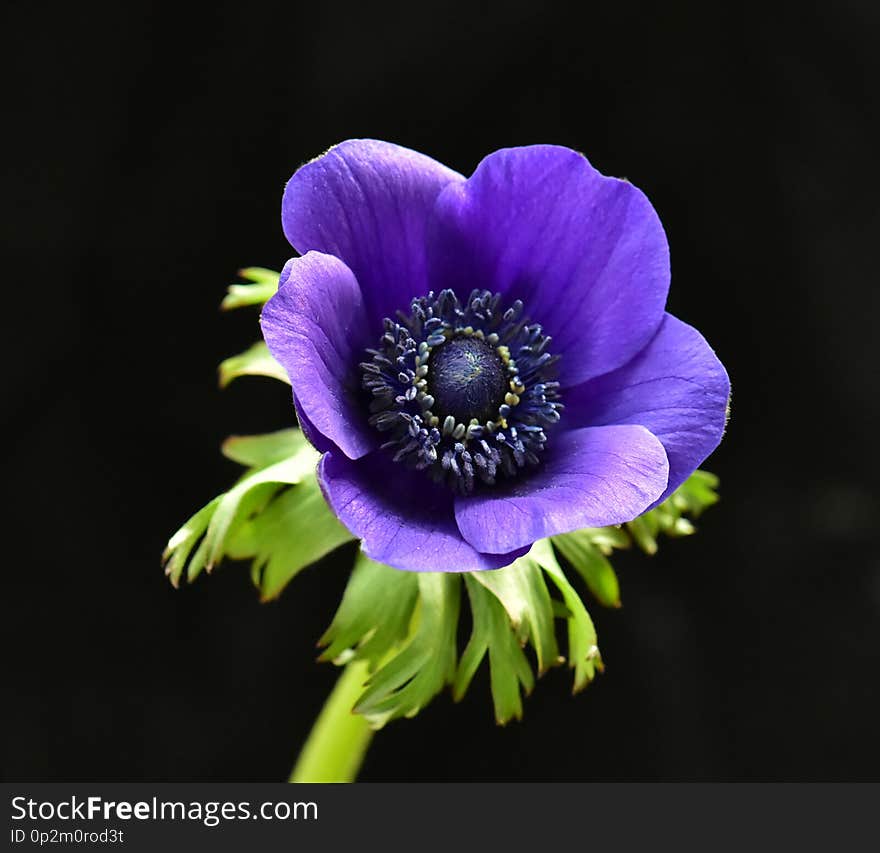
(146, 148)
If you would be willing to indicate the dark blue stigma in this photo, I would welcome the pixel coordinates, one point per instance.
(467, 379)
(466, 391)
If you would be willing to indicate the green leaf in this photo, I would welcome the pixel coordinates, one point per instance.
(374, 616)
(255, 361)
(693, 496)
(606, 539)
(411, 678)
(580, 550)
(220, 520)
(288, 471)
(180, 545)
(501, 603)
(521, 588)
(508, 665)
(293, 531)
(697, 493)
(642, 533)
(265, 284)
(583, 651)
(259, 451)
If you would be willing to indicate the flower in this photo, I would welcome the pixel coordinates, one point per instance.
(485, 362)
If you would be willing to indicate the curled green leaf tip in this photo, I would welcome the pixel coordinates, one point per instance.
(263, 285)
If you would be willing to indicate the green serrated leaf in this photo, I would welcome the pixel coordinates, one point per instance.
(583, 649)
(697, 493)
(287, 471)
(410, 679)
(265, 284)
(220, 520)
(374, 616)
(705, 479)
(260, 451)
(293, 531)
(642, 534)
(592, 565)
(197, 562)
(255, 361)
(521, 588)
(681, 527)
(606, 539)
(180, 545)
(692, 497)
(509, 667)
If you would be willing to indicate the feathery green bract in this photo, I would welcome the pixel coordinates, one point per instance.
(374, 616)
(584, 553)
(274, 516)
(254, 361)
(522, 591)
(418, 670)
(509, 668)
(263, 287)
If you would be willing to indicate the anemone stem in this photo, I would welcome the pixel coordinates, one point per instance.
(338, 741)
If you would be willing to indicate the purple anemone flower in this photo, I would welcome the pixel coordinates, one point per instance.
(487, 361)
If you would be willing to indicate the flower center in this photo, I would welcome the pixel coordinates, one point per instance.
(465, 391)
(467, 379)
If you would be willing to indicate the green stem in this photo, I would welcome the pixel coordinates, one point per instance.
(338, 741)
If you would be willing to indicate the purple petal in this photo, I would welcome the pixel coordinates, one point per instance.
(368, 203)
(676, 387)
(586, 254)
(588, 478)
(314, 328)
(318, 441)
(403, 518)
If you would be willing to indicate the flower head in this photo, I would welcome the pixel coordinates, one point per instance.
(484, 362)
